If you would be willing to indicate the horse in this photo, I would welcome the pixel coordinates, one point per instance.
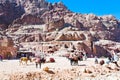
(73, 60)
(25, 59)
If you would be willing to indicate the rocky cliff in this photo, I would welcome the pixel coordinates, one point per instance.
(57, 16)
(38, 20)
(9, 11)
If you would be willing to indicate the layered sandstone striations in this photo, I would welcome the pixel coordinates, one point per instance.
(38, 20)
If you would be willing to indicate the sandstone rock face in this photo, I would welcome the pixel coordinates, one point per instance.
(55, 24)
(7, 47)
(35, 6)
(94, 23)
(51, 36)
(9, 11)
(28, 19)
(3, 27)
(6, 41)
(34, 15)
(70, 36)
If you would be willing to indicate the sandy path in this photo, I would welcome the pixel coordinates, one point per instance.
(12, 66)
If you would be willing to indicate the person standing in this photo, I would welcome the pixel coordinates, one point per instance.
(1, 58)
(71, 58)
(109, 59)
(115, 58)
(38, 62)
(84, 56)
(96, 60)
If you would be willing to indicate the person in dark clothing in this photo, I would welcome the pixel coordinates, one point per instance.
(1, 58)
(116, 59)
(110, 58)
(8, 56)
(96, 60)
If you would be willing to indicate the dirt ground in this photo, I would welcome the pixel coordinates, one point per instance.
(61, 65)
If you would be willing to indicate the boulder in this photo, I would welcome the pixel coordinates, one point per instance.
(102, 62)
(52, 60)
